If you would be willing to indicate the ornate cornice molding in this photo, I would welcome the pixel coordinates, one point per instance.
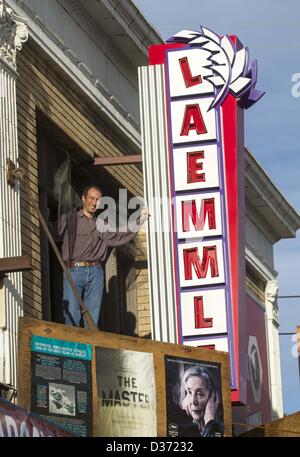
(13, 33)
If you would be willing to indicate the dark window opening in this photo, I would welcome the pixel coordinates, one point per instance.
(118, 308)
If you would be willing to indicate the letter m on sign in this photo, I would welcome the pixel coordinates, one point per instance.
(191, 260)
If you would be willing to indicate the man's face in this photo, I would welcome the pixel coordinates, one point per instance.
(91, 200)
(197, 395)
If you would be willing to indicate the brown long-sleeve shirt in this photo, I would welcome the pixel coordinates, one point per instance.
(92, 239)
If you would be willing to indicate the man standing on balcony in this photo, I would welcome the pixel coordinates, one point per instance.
(86, 240)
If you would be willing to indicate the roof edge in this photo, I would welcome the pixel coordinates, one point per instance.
(286, 215)
(134, 23)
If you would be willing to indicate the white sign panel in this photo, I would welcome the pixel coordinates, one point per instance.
(196, 167)
(188, 72)
(199, 215)
(192, 122)
(201, 263)
(204, 312)
(220, 344)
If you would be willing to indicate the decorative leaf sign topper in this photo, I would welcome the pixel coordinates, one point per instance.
(229, 70)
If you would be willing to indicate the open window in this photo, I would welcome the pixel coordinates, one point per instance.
(60, 159)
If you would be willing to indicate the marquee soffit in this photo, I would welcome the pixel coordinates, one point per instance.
(266, 198)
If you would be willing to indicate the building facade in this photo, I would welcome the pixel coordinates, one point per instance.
(69, 94)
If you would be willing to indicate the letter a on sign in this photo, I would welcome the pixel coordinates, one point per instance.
(208, 80)
(193, 120)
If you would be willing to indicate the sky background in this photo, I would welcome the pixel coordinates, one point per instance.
(271, 31)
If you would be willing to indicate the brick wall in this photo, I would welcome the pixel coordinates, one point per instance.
(142, 287)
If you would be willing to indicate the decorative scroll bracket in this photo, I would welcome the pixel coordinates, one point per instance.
(13, 33)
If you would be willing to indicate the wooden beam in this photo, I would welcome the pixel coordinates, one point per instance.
(118, 160)
(12, 264)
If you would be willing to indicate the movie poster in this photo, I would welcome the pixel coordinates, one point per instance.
(194, 398)
(61, 383)
(126, 392)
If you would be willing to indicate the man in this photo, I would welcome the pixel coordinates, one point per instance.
(85, 247)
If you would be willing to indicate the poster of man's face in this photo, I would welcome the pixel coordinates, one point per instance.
(194, 398)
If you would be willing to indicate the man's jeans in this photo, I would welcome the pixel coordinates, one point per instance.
(89, 282)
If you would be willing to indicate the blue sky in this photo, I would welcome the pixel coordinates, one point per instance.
(271, 31)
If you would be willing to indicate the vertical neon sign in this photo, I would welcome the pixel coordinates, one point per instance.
(208, 81)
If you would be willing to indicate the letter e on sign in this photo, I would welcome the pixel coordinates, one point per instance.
(196, 168)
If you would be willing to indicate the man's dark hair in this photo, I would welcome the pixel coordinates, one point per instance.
(87, 188)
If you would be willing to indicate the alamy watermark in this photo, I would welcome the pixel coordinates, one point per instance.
(295, 340)
(127, 214)
(295, 91)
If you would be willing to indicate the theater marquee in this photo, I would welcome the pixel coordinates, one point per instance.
(192, 99)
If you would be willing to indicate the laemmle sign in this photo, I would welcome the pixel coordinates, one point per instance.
(193, 95)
